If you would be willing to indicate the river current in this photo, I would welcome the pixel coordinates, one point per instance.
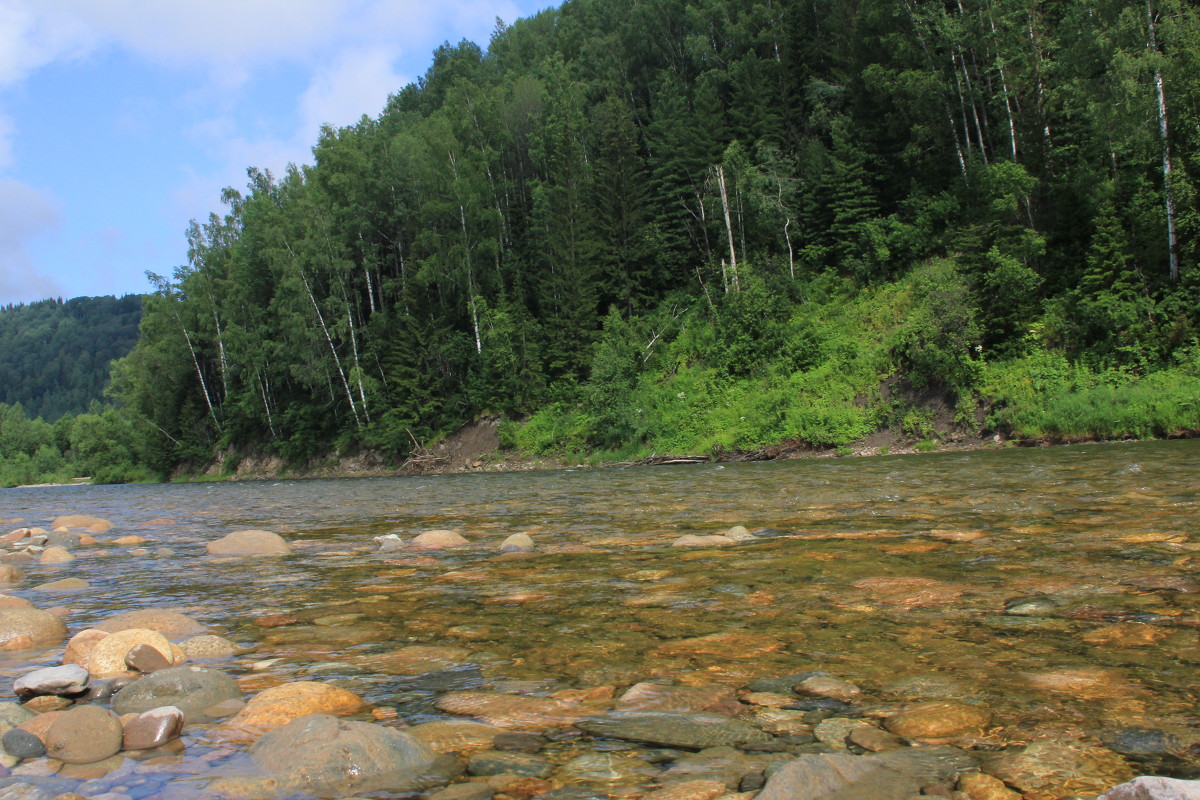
(1060, 587)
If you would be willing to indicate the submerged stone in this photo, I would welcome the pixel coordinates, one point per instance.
(694, 731)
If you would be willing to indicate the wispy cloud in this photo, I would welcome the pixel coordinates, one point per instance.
(25, 214)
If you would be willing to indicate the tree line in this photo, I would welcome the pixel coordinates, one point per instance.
(618, 195)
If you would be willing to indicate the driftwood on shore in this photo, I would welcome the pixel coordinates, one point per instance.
(658, 461)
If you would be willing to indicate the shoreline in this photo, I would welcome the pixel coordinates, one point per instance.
(885, 442)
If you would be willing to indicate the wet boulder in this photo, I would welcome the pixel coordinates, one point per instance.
(895, 775)
(939, 719)
(438, 540)
(330, 757)
(83, 735)
(110, 654)
(152, 728)
(1153, 787)
(517, 543)
(11, 575)
(694, 731)
(26, 628)
(169, 623)
(191, 689)
(85, 521)
(67, 680)
(249, 543)
(275, 707)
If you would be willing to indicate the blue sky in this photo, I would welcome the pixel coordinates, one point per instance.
(121, 120)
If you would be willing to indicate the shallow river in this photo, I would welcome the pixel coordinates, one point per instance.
(1059, 587)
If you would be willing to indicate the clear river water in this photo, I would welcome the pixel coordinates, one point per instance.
(1060, 587)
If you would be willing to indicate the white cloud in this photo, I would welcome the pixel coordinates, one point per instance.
(25, 214)
(357, 82)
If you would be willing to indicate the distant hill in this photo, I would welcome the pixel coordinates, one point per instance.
(55, 355)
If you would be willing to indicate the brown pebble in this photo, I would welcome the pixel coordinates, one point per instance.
(45, 703)
(129, 541)
(868, 737)
(516, 742)
(84, 735)
(152, 728)
(276, 620)
(145, 659)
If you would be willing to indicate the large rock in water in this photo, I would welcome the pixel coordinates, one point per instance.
(249, 543)
(279, 705)
(1152, 787)
(83, 735)
(26, 628)
(895, 775)
(171, 624)
(190, 689)
(694, 731)
(329, 757)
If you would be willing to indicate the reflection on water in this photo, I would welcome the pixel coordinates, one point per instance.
(1058, 586)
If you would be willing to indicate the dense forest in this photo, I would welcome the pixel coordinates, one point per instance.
(55, 356)
(667, 226)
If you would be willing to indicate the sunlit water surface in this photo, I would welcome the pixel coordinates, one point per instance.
(880, 583)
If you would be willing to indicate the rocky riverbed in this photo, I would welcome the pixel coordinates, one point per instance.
(848, 650)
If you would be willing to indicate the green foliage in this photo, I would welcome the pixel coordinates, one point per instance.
(945, 197)
(55, 355)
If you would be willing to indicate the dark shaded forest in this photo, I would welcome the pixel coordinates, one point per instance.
(666, 226)
(55, 356)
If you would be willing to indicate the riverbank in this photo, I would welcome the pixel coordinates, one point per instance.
(475, 448)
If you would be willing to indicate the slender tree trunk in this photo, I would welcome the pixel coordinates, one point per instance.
(733, 268)
(262, 388)
(1012, 125)
(1168, 187)
(362, 395)
(958, 148)
(329, 340)
(199, 373)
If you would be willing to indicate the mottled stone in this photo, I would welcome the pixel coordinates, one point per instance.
(208, 646)
(494, 762)
(275, 707)
(438, 540)
(1153, 787)
(249, 543)
(870, 738)
(8, 601)
(171, 624)
(978, 786)
(825, 686)
(836, 730)
(414, 660)
(697, 540)
(606, 768)
(894, 775)
(518, 742)
(733, 644)
(1126, 634)
(85, 521)
(11, 575)
(55, 555)
(46, 703)
(129, 541)
(516, 711)
(81, 645)
(446, 736)
(145, 659)
(656, 697)
(84, 734)
(691, 731)
(22, 744)
(909, 592)
(70, 679)
(517, 543)
(473, 790)
(688, 790)
(26, 628)
(328, 756)
(152, 728)
(1058, 769)
(939, 719)
(191, 689)
(109, 654)
(63, 585)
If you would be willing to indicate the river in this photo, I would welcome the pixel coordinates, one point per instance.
(1056, 586)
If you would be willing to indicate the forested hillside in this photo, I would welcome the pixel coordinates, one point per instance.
(55, 356)
(712, 225)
